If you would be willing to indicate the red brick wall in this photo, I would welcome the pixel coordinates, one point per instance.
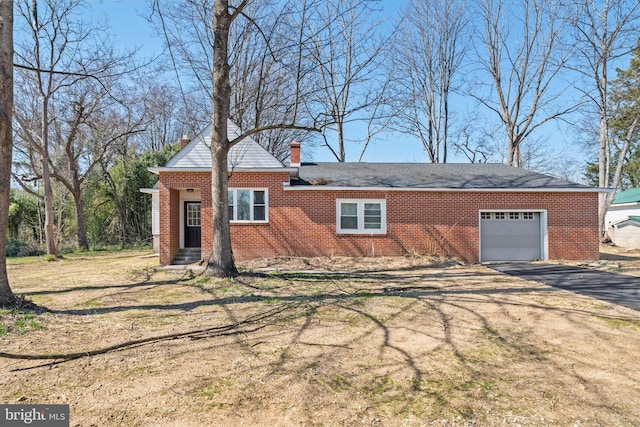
(303, 223)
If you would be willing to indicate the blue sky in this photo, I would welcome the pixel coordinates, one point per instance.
(131, 29)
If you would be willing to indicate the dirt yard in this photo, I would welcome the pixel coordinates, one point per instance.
(328, 341)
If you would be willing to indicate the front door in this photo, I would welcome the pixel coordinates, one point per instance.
(192, 221)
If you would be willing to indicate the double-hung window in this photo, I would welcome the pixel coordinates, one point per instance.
(248, 205)
(359, 216)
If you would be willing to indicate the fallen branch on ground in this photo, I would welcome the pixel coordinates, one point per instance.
(195, 334)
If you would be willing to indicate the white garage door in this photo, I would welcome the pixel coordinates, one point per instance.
(510, 236)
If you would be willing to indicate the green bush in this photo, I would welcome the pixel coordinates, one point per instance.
(17, 248)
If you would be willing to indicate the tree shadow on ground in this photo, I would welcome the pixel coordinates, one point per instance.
(294, 315)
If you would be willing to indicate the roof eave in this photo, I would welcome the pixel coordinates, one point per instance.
(157, 170)
(441, 189)
(625, 204)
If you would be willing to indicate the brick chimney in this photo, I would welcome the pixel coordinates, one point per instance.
(294, 157)
(184, 141)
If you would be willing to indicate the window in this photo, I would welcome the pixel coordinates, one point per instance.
(361, 216)
(193, 214)
(499, 215)
(527, 215)
(247, 205)
(514, 215)
(485, 215)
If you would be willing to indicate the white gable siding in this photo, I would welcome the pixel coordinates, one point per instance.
(245, 154)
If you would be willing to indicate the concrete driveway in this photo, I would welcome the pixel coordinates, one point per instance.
(603, 285)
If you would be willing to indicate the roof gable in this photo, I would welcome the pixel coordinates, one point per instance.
(246, 154)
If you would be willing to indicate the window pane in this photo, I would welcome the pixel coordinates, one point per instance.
(258, 198)
(348, 223)
(242, 209)
(349, 216)
(230, 195)
(259, 213)
(350, 209)
(372, 216)
(193, 215)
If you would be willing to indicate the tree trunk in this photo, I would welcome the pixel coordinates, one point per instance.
(221, 261)
(49, 215)
(83, 242)
(603, 172)
(340, 129)
(6, 139)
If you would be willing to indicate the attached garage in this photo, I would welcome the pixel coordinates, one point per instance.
(512, 235)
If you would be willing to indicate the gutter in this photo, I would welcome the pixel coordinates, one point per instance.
(288, 187)
(291, 171)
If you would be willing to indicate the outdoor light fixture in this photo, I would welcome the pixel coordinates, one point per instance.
(189, 190)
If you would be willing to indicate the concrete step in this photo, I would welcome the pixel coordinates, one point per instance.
(187, 256)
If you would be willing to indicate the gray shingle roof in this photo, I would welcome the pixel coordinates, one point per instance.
(247, 154)
(428, 176)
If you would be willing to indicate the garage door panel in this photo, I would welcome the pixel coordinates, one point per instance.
(517, 239)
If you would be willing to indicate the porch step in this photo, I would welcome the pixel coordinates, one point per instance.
(187, 256)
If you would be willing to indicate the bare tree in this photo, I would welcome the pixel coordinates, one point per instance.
(161, 106)
(343, 44)
(262, 60)
(92, 123)
(221, 262)
(6, 140)
(426, 57)
(50, 59)
(263, 57)
(624, 121)
(66, 70)
(605, 31)
(523, 54)
(476, 144)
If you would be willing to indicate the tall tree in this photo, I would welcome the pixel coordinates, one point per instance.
(6, 140)
(67, 71)
(39, 57)
(344, 45)
(625, 119)
(86, 129)
(426, 56)
(263, 59)
(604, 32)
(522, 51)
(189, 52)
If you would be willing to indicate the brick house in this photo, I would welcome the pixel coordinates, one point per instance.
(476, 212)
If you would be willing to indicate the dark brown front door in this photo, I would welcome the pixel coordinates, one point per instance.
(192, 224)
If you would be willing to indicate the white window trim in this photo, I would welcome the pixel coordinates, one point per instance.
(360, 203)
(250, 221)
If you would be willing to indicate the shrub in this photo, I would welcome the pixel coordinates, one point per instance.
(16, 248)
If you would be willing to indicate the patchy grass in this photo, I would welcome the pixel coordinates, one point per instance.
(15, 321)
(317, 341)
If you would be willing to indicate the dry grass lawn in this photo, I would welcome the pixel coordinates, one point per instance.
(327, 341)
